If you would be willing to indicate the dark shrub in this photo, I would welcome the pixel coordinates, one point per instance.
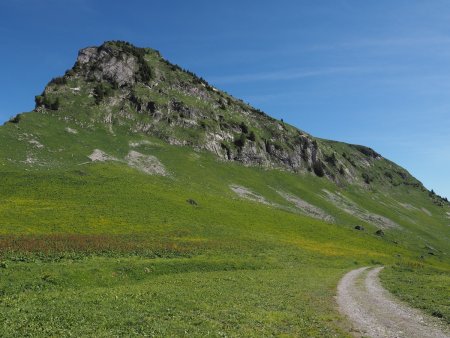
(227, 149)
(70, 72)
(367, 178)
(61, 80)
(252, 136)
(319, 168)
(191, 201)
(54, 104)
(145, 73)
(366, 151)
(15, 119)
(101, 91)
(331, 159)
(379, 233)
(240, 141)
(47, 102)
(437, 314)
(39, 100)
(244, 128)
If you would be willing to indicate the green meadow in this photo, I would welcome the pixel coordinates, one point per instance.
(103, 249)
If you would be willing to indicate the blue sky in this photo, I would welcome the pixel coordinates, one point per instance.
(372, 72)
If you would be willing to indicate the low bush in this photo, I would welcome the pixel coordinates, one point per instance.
(59, 81)
(240, 141)
(47, 102)
(15, 119)
(318, 168)
(101, 91)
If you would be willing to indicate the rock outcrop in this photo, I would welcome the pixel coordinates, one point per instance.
(106, 64)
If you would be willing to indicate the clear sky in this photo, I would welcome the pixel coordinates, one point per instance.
(372, 72)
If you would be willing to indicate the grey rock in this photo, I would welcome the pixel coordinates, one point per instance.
(104, 63)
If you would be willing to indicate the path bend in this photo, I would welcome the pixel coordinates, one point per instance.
(374, 312)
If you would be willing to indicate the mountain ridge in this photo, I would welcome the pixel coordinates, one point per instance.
(119, 84)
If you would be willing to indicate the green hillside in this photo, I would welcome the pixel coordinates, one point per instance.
(139, 200)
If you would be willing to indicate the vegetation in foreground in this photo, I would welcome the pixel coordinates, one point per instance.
(103, 249)
(421, 285)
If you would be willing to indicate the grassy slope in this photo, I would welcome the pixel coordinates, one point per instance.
(103, 249)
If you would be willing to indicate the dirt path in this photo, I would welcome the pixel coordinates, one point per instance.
(374, 312)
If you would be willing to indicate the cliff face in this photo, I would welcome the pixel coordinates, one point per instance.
(122, 86)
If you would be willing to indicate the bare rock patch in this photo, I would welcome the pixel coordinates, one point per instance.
(134, 144)
(408, 206)
(248, 194)
(71, 131)
(100, 156)
(306, 208)
(350, 207)
(36, 143)
(148, 164)
(426, 211)
(30, 160)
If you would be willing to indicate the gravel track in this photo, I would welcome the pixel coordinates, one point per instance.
(374, 312)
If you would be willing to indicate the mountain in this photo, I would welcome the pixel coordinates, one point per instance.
(133, 170)
(119, 85)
